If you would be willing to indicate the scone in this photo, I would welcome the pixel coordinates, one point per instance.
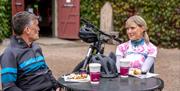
(135, 71)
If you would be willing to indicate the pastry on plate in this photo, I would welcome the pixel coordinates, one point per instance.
(77, 76)
(135, 71)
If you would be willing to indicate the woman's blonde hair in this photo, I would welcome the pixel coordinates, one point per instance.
(140, 22)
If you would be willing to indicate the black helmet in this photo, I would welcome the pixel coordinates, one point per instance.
(108, 65)
(87, 35)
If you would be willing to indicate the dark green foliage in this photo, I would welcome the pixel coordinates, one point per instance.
(162, 17)
(5, 16)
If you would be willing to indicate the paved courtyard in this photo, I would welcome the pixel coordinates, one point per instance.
(63, 55)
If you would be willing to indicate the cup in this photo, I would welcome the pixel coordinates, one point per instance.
(95, 72)
(124, 67)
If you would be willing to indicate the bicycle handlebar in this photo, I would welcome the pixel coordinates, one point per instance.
(87, 23)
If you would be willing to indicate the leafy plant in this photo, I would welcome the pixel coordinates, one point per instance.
(162, 17)
(5, 16)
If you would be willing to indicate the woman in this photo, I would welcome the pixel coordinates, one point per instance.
(138, 50)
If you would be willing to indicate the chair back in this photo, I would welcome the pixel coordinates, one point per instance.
(152, 69)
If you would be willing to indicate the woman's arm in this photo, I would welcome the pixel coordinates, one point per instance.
(147, 64)
(118, 63)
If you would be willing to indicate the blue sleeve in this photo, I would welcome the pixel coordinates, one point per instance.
(9, 71)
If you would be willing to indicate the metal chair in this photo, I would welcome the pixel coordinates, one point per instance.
(152, 69)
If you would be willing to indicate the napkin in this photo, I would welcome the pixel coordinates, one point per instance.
(147, 75)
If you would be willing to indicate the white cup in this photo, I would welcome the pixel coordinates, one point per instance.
(95, 72)
(124, 67)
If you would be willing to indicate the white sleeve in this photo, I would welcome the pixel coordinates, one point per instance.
(120, 52)
(147, 64)
(118, 57)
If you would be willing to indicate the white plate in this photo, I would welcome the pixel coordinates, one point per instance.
(147, 75)
(68, 79)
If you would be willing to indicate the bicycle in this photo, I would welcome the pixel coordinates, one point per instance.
(91, 34)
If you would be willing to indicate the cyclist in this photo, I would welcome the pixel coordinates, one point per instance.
(23, 64)
(139, 50)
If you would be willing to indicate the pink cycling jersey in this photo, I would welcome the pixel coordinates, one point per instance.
(136, 54)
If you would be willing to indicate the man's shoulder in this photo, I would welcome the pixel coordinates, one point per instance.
(36, 46)
(8, 49)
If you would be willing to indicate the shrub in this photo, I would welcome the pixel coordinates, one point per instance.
(5, 16)
(162, 17)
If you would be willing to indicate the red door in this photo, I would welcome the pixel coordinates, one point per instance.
(17, 6)
(68, 19)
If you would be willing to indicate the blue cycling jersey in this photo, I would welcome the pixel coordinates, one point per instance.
(24, 68)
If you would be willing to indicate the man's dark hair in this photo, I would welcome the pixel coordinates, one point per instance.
(20, 20)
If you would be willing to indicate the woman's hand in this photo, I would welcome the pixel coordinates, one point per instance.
(58, 89)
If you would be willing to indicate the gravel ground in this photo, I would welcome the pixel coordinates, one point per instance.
(63, 58)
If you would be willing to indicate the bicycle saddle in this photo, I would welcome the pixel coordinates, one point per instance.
(87, 35)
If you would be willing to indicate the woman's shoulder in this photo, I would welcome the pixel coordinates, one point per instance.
(124, 44)
(152, 49)
(151, 45)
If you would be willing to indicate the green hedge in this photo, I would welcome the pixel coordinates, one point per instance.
(5, 16)
(162, 17)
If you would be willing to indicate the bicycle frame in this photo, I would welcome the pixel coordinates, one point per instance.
(94, 48)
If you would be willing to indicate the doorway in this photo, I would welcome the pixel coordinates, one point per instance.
(43, 9)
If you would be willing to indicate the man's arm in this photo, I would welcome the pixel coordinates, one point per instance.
(53, 80)
(51, 77)
(13, 89)
(9, 71)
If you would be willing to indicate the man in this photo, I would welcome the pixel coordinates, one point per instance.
(23, 64)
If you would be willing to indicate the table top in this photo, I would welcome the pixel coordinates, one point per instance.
(115, 84)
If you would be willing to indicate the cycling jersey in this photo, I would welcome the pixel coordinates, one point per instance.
(24, 68)
(136, 52)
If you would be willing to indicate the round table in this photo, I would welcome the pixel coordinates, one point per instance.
(115, 84)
